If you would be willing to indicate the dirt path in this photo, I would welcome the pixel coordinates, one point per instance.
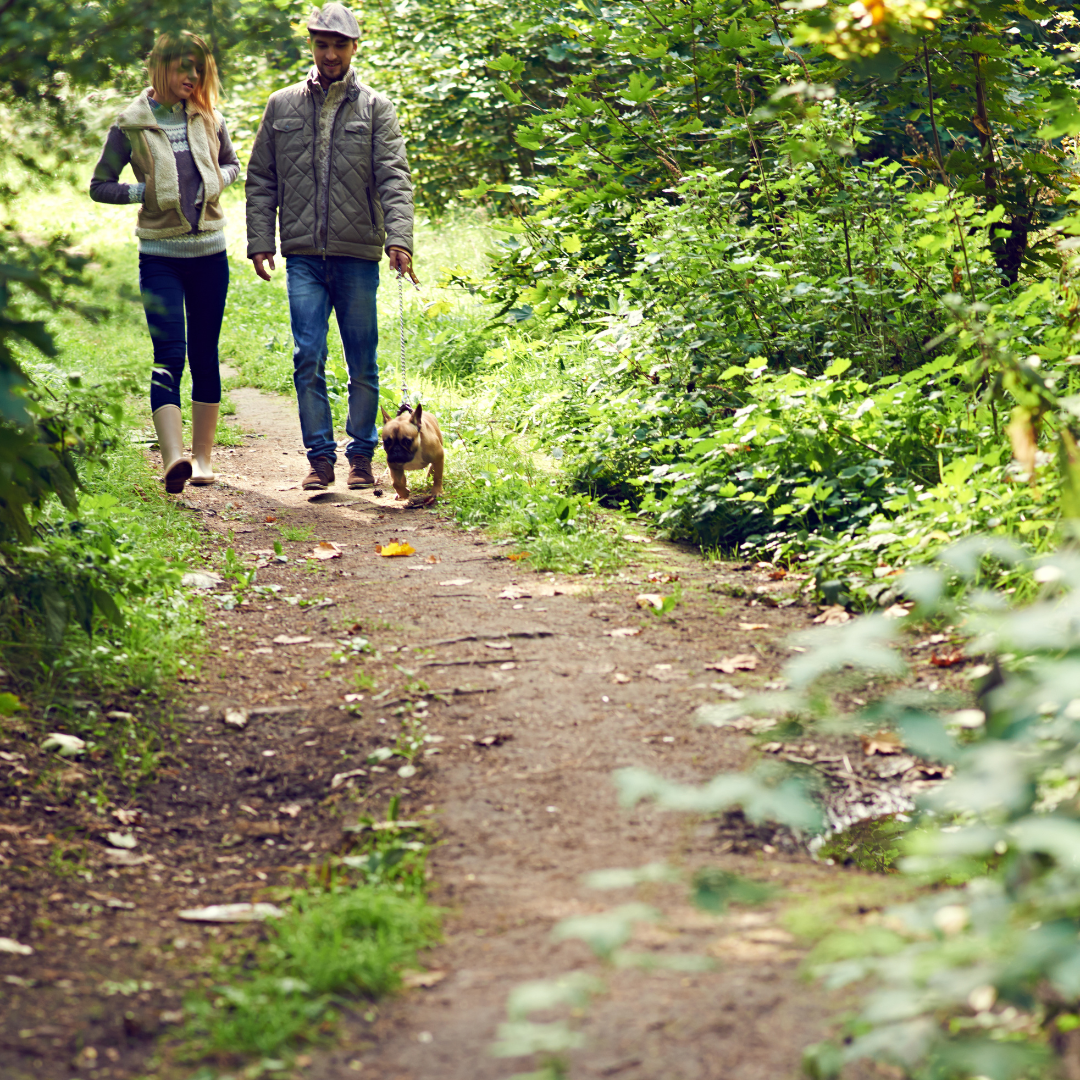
(529, 733)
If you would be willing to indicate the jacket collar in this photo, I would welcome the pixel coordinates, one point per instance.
(352, 83)
(140, 113)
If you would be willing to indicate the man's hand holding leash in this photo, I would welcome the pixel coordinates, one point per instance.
(400, 263)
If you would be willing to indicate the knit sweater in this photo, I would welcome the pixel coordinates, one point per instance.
(105, 185)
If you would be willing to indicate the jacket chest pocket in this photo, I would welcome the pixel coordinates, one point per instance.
(356, 137)
(289, 130)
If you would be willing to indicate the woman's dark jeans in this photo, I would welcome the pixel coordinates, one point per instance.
(171, 287)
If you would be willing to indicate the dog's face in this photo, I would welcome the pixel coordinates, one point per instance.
(401, 435)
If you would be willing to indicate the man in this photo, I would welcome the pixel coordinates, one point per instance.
(329, 161)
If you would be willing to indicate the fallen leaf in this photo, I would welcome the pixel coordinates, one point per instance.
(406, 772)
(652, 599)
(422, 979)
(662, 577)
(124, 858)
(727, 690)
(495, 739)
(290, 809)
(833, 615)
(286, 639)
(9, 945)
(128, 817)
(623, 631)
(948, 659)
(518, 555)
(549, 589)
(633, 538)
(327, 549)
(269, 517)
(65, 745)
(457, 581)
(883, 742)
(665, 673)
(259, 829)
(898, 611)
(122, 840)
(498, 645)
(341, 777)
(777, 575)
(730, 664)
(226, 913)
(619, 677)
(512, 592)
(236, 717)
(434, 559)
(388, 551)
(754, 626)
(201, 579)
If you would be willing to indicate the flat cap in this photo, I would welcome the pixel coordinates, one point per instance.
(334, 19)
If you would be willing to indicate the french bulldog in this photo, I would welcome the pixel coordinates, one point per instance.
(412, 440)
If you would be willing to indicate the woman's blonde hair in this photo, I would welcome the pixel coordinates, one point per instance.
(170, 47)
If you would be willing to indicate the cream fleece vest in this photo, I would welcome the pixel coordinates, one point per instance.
(154, 165)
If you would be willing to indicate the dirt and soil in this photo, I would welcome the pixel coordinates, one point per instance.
(532, 702)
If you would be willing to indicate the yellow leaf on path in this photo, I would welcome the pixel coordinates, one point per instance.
(327, 549)
(395, 547)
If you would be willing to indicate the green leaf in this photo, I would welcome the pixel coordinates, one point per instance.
(605, 932)
(714, 889)
(10, 704)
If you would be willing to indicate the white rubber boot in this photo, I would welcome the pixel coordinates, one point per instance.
(170, 432)
(204, 420)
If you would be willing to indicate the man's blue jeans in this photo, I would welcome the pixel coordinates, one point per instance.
(348, 286)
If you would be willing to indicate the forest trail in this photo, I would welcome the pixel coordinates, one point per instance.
(532, 704)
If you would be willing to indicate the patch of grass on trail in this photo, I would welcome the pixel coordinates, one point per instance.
(348, 942)
(499, 488)
(346, 938)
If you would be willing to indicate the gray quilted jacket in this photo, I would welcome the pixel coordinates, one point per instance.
(370, 204)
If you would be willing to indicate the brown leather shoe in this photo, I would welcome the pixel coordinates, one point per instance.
(360, 474)
(321, 475)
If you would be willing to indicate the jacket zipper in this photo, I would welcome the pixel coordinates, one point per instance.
(314, 166)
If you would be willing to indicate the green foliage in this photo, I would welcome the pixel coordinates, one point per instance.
(870, 845)
(714, 889)
(346, 942)
(498, 488)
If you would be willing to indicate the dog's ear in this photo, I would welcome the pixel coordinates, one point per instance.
(385, 415)
(417, 415)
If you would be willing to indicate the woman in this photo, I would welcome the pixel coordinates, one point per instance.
(178, 147)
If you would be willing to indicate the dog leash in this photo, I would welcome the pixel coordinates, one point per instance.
(405, 399)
